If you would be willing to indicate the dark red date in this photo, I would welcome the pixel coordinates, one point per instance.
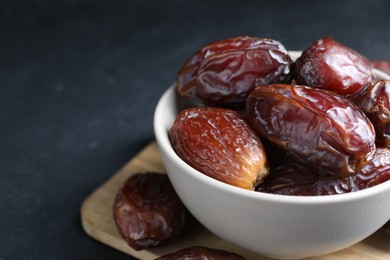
(219, 143)
(147, 211)
(329, 65)
(375, 172)
(295, 178)
(222, 73)
(201, 253)
(374, 100)
(315, 126)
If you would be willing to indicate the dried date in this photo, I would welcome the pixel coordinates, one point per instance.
(201, 253)
(219, 143)
(329, 65)
(222, 73)
(375, 172)
(374, 100)
(295, 178)
(147, 211)
(315, 126)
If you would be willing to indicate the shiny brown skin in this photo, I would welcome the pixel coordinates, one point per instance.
(219, 143)
(374, 100)
(147, 211)
(375, 172)
(329, 65)
(382, 65)
(223, 73)
(315, 126)
(201, 253)
(295, 178)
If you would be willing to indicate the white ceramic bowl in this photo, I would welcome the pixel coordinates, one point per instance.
(272, 225)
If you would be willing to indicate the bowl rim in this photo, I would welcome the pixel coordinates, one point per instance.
(162, 138)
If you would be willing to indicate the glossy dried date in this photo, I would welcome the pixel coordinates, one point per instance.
(223, 72)
(374, 100)
(219, 143)
(375, 172)
(316, 126)
(329, 65)
(147, 211)
(201, 253)
(295, 178)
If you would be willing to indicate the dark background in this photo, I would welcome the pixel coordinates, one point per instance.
(79, 81)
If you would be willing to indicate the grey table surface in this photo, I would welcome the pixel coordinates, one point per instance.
(79, 82)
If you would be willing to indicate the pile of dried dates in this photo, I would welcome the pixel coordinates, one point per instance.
(257, 120)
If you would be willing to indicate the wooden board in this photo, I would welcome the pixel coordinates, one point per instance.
(97, 221)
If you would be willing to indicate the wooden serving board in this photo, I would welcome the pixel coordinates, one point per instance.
(97, 221)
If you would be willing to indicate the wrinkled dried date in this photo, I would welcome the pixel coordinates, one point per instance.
(316, 126)
(327, 64)
(294, 178)
(147, 211)
(201, 253)
(220, 143)
(375, 172)
(223, 72)
(374, 100)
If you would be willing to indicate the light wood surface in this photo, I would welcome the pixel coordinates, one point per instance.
(97, 221)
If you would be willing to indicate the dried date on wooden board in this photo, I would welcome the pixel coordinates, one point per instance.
(97, 221)
(147, 211)
(201, 253)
